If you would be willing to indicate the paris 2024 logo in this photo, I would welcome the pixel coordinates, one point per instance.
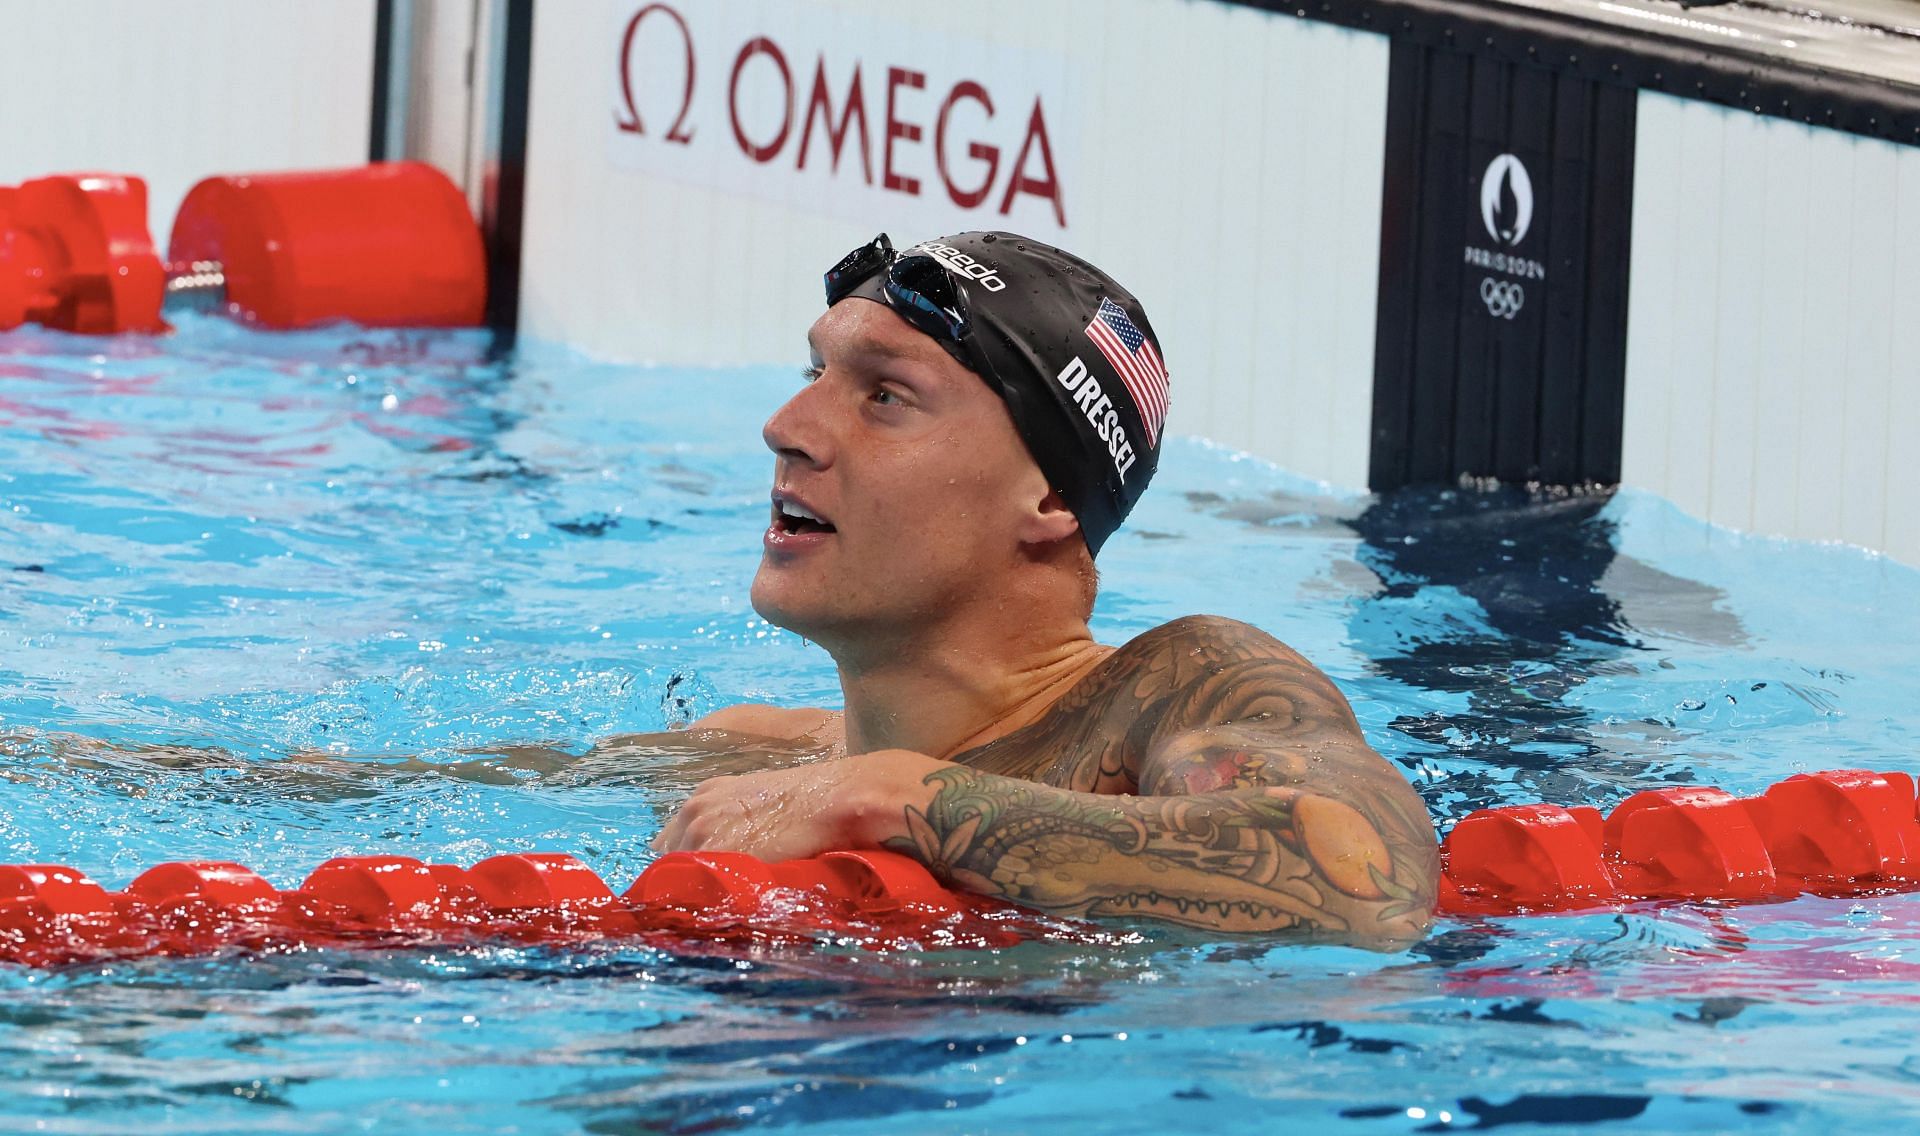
(1506, 209)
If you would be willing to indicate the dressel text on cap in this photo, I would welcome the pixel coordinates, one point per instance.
(1092, 401)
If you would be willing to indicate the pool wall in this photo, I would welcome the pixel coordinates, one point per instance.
(1773, 356)
(175, 93)
(684, 195)
(1384, 241)
(1389, 242)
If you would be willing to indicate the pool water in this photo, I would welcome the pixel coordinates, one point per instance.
(281, 598)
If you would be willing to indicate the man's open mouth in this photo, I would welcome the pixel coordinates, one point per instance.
(790, 516)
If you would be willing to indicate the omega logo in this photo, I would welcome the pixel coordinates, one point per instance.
(885, 121)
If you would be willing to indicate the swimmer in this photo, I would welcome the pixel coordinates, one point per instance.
(981, 413)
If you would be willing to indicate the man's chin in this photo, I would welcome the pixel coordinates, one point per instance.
(790, 605)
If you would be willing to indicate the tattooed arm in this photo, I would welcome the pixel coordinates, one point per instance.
(1259, 806)
(1203, 774)
(1265, 859)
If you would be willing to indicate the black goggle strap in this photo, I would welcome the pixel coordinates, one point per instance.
(856, 267)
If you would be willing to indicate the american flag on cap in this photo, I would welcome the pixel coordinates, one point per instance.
(1133, 356)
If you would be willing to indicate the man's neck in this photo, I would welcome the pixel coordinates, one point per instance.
(951, 690)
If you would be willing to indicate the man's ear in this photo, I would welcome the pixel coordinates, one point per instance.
(1049, 521)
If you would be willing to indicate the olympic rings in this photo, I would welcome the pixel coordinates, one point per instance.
(1502, 297)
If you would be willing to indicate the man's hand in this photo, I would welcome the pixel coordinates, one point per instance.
(786, 814)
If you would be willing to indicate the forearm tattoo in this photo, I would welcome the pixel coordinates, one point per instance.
(1259, 805)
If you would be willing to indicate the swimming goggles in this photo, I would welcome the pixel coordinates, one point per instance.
(917, 287)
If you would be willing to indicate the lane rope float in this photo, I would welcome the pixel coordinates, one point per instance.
(392, 244)
(1839, 832)
(53, 915)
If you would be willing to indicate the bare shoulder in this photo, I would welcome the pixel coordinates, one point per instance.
(1248, 713)
(1196, 643)
(1206, 631)
(1211, 670)
(1196, 673)
(757, 719)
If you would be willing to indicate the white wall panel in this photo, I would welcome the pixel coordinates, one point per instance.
(1650, 341)
(180, 91)
(1815, 445)
(1689, 422)
(1236, 332)
(1728, 416)
(1869, 322)
(1781, 369)
(1772, 357)
(1903, 404)
(1281, 238)
(1224, 163)
(1361, 146)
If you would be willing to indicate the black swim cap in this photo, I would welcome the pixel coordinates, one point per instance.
(1068, 349)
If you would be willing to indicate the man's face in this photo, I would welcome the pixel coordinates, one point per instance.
(912, 467)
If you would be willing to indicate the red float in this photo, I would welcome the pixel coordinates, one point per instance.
(1541, 856)
(1686, 843)
(52, 915)
(1843, 831)
(1842, 828)
(1838, 832)
(387, 245)
(75, 255)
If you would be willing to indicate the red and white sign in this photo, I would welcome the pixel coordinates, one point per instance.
(846, 116)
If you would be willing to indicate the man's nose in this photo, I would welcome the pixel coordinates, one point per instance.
(796, 430)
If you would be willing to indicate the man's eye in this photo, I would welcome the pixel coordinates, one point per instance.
(889, 396)
(809, 374)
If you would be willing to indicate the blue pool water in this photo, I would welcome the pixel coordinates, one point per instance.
(276, 599)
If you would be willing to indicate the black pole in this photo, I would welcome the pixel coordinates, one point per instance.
(382, 79)
(510, 184)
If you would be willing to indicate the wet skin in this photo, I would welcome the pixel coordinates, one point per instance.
(1202, 774)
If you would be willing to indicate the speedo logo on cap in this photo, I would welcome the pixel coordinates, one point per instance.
(961, 264)
(1090, 400)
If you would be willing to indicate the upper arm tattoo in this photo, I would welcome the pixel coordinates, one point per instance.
(1259, 806)
(1190, 675)
(1258, 722)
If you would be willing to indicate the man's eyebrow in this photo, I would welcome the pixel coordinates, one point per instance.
(866, 345)
(863, 347)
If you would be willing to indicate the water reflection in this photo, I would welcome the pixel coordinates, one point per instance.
(1487, 610)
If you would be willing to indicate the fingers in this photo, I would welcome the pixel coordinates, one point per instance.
(690, 829)
(669, 834)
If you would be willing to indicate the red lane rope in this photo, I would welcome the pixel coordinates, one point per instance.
(1840, 832)
(52, 915)
(392, 244)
